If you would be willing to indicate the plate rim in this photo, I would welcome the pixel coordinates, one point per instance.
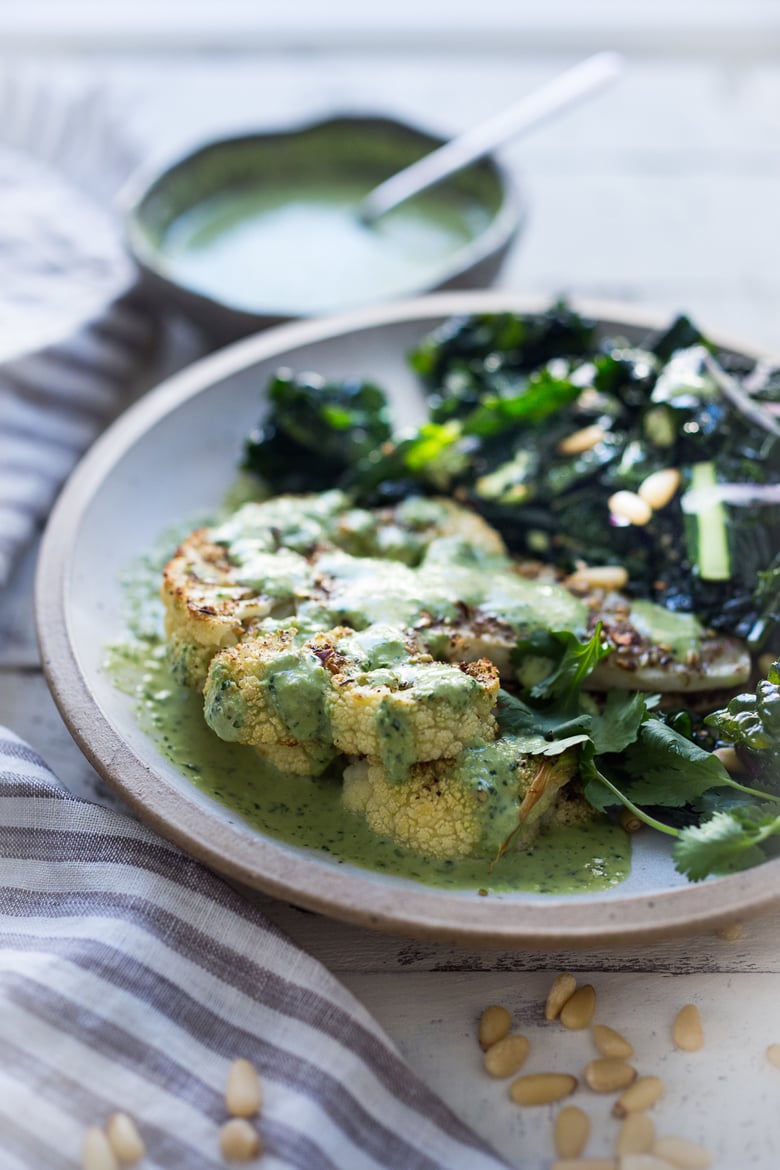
(262, 863)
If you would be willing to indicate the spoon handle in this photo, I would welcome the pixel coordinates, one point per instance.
(556, 95)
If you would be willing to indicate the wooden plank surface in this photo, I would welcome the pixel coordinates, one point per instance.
(665, 192)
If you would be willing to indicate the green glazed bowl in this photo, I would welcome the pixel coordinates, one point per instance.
(360, 149)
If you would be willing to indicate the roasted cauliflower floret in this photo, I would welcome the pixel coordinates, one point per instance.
(263, 561)
(389, 699)
(371, 693)
(213, 597)
(270, 692)
(492, 796)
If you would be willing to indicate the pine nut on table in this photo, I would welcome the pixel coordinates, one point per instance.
(578, 1011)
(642, 1095)
(682, 1153)
(96, 1152)
(494, 1024)
(687, 1030)
(239, 1141)
(507, 1056)
(636, 1136)
(611, 1043)
(563, 988)
(572, 1130)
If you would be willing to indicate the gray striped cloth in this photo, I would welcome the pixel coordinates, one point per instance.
(72, 336)
(131, 977)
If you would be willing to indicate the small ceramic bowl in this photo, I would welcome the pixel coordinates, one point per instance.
(360, 150)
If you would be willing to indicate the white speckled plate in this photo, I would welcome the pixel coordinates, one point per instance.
(173, 456)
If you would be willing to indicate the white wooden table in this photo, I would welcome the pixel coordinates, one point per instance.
(665, 191)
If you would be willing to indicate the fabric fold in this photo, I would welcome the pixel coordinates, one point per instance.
(130, 979)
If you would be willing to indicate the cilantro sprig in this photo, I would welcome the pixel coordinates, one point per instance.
(630, 755)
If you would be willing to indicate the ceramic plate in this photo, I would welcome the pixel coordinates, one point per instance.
(171, 458)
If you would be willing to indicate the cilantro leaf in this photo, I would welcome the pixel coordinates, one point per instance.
(727, 842)
(619, 723)
(543, 732)
(573, 662)
(665, 768)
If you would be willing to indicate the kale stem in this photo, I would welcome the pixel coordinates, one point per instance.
(638, 812)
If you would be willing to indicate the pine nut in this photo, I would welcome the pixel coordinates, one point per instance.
(643, 1162)
(611, 1043)
(563, 989)
(731, 933)
(507, 1056)
(599, 577)
(637, 1134)
(239, 1141)
(682, 1153)
(630, 507)
(629, 821)
(572, 1130)
(642, 1095)
(542, 1088)
(578, 442)
(687, 1031)
(608, 1075)
(124, 1138)
(96, 1153)
(660, 488)
(578, 1011)
(730, 760)
(243, 1094)
(560, 993)
(494, 1024)
(584, 1164)
(773, 1054)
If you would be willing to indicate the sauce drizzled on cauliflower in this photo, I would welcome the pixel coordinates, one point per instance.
(317, 630)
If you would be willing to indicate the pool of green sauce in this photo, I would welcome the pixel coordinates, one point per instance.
(307, 812)
(302, 248)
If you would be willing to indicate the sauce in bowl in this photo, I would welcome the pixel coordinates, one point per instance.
(302, 248)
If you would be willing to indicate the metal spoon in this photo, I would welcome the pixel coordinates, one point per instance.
(585, 78)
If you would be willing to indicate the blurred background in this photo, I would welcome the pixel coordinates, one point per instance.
(662, 190)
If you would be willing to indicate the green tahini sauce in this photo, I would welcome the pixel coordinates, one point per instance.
(308, 812)
(303, 250)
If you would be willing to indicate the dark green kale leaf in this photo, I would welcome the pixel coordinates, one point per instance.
(315, 431)
(681, 334)
(468, 358)
(751, 722)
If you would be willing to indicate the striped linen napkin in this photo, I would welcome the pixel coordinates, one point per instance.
(73, 337)
(131, 978)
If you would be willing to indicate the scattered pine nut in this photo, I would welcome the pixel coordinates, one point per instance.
(124, 1138)
(642, 1095)
(629, 821)
(578, 1010)
(643, 1162)
(608, 1075)
(598, 577)
(494, 1024)
(507, 1056)
(584, 1164)
(572, 1130)
(732, 933)
(773, 1054)
(243, 1094)
(239, 1141)
(660, 487)
(542, 1088)
(730, 760)
(96, 1152)
(630, 508)
(560, 993)
(687, 1031)
(580, 441)
(636, 1136)
(681, 1153)
(611, 1043)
